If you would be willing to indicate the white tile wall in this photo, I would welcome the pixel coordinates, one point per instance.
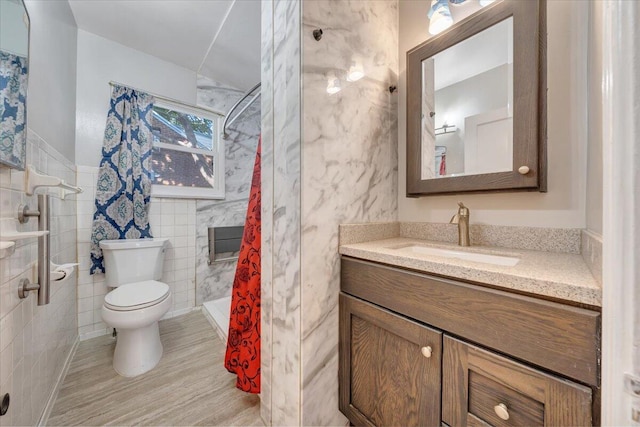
(176, 220)
(35, 340)
(91, 288)
(171, 218)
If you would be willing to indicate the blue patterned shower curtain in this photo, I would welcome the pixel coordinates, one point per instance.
(13, 112)
(124, 181)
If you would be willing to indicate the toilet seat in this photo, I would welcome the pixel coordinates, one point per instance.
(136, 296)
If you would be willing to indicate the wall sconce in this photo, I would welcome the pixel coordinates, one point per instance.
(333, 84)
(439, 16)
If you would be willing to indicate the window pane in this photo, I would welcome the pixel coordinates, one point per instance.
(178, 128)
(182, 169)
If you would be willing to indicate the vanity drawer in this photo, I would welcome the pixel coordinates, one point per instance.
(485, 394)
(557, 337)
(480, 388)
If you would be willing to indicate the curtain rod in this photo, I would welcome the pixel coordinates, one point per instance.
(165, 98)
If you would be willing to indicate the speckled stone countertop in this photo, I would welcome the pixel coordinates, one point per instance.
(562, 276)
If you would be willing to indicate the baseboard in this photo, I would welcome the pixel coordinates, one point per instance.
(180, 312)
(44, 418)
(95, 334)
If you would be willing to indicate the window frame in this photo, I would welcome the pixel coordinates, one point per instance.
(216, 153)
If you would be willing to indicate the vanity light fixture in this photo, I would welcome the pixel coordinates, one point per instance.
(439, 16)
(445, 129)
(484, 3)
(333, 85)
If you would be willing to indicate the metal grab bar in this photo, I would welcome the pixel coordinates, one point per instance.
(228, 122)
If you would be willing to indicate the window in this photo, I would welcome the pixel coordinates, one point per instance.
(188, 155)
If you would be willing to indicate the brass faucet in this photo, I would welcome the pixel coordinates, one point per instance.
(462, 219)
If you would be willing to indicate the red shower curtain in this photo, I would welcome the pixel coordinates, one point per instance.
(243, 345)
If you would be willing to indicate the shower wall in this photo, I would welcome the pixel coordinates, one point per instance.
(327, 159)
(215, 281)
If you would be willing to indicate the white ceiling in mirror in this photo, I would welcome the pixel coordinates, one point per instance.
(217, 38)
(482, 52)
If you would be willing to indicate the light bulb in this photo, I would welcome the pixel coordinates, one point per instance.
(484, 3)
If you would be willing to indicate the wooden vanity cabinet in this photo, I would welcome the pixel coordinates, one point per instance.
(495, 358)
(389, 367)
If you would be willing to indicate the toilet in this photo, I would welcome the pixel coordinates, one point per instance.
(137, 303)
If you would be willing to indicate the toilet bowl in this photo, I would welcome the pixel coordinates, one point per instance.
(137, 303)
(134, 310)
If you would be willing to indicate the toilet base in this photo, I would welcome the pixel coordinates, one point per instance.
(137, 350)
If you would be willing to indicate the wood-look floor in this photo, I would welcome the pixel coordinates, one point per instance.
(190, 385)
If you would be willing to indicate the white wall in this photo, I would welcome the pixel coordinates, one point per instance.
(594, 163)
(101, 60)
(51, 100)
(481, 93)
(564, 204)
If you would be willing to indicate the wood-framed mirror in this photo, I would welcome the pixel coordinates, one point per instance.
(476, 104)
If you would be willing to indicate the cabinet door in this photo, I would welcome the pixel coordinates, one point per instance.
(480, 388)
(389, 367)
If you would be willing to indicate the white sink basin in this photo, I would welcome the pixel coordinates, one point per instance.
(468, 256)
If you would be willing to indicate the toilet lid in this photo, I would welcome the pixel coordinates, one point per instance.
(134, 296)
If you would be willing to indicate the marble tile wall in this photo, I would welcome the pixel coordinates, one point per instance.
(171, 218)
(281, 226)
(267, 174)
(328, 159)
(215, 281)
(349, 169)
(35, 341)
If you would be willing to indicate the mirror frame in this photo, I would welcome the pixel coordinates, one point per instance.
(529, 101)
(21, 166)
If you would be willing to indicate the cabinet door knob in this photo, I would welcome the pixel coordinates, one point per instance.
(501, 411)
(426, 351)
(523, 170)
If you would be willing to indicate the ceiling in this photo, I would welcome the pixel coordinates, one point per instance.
(219, 39)
(486, 50)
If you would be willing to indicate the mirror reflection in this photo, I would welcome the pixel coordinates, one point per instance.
(14, 48)
(467, 106)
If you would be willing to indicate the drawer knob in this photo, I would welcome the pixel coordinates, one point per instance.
(523, 170)
(501, 411)
(426, 351)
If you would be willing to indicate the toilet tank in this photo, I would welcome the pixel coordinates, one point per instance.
(133, 260)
